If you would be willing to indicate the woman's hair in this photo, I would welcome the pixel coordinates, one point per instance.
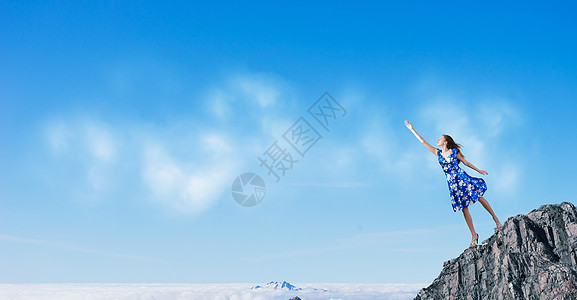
(452, 145)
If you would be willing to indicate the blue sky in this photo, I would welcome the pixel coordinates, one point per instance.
(123, 126)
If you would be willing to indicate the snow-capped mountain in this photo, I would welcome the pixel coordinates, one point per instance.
(277, 286)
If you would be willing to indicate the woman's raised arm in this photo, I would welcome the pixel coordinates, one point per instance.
(431, 148)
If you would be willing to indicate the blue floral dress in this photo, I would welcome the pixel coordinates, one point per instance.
(464, 189)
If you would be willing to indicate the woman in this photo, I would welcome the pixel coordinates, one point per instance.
(464, 189)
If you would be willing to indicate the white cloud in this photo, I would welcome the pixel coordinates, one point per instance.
(99, 141)
(58, 136)
(86, 143)
(189, 181)
(218, 103)
(263, 88)
(89, 137)
(190, 186)
(160, 172)
(230, 291)
(496, 115)
(261, 102)
(245, 91)
(185, 165)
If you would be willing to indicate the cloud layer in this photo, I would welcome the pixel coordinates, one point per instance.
(185, 164)
(238, 291)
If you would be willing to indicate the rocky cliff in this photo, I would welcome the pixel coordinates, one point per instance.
(534, 256)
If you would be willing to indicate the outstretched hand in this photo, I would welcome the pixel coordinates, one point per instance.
(483, 172)
(408, 125)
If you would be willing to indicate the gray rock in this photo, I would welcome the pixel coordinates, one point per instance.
(534, 256)
(295, 298)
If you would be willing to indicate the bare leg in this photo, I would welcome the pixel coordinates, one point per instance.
(490, 210)
(469, 220)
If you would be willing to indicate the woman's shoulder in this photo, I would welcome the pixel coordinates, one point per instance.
(455, 151)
